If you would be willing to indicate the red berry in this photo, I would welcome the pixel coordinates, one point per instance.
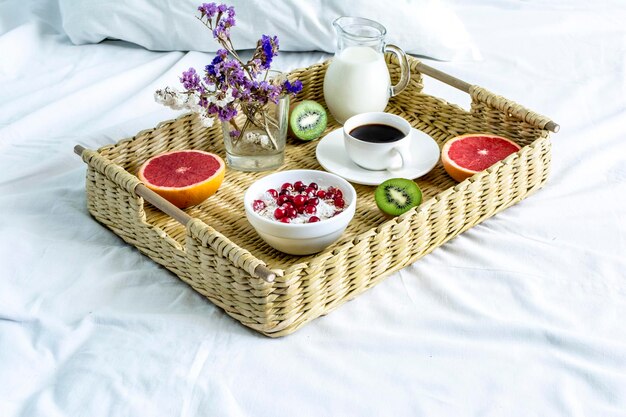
(258, 205)
(299, 200)
(339, 203)
(273, 193)
(314, 219)
(287, 186)
(279, 213)
(282, 199)
(285, 220)
(313, 201)
(297, 185)
(321, 194)
(313, 185)
(310, 210)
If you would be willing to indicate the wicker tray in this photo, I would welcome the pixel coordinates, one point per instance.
(213, 248)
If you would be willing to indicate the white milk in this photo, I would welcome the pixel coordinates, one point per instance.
(357, 81)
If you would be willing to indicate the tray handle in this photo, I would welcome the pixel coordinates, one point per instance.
(464, 86)
(166, 207)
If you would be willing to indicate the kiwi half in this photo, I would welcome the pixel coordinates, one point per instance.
(397, 196)
(307, 120)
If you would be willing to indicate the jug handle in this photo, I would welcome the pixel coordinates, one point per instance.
(405, 71)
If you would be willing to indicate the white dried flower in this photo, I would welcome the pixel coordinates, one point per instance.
(264, 141)
(228, 98)
(205, 120)
(193, 103)
(170, 97)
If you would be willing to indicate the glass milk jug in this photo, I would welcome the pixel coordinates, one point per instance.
(357, 79)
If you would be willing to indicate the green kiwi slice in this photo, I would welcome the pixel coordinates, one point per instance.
(397, 195)
(307, 120)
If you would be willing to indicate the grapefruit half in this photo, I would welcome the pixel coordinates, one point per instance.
(465, 155)
(184, 178)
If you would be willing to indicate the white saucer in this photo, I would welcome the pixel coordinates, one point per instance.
(332, 156)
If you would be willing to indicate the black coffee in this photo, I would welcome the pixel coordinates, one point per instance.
(377, 133)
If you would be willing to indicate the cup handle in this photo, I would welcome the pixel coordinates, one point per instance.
(403, 155)
(405, 70)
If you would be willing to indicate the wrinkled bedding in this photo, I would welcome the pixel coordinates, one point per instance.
(521, 315)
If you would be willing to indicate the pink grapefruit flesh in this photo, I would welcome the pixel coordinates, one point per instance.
(184, 178)
(464, 156)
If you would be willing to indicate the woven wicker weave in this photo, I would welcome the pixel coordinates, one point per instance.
(218, 252)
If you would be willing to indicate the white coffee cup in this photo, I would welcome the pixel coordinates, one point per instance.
(378, 156)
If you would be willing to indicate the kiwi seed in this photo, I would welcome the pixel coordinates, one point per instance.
(307, 120)
(397, 195)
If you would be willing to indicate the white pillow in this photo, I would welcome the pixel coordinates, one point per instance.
(421, 27)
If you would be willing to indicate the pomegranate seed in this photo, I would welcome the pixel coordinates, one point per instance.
(258, 205)
(321, 194)
(338, 193)
(284, 192)
(314, 219)
(282, 199)
(287, 186)
(339, 203)
(313, 201)
(300, 209)
(285, 220)
(310, 210)
(292, 213)
(287, 206)
(297, 185)
(299, 200)
(273, 193)
(279, 213)
(313, 185)
(310, 191)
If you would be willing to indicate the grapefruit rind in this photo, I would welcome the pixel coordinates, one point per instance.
(189, 195)
(457, 172)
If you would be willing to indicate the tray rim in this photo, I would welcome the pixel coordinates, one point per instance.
(286, 278)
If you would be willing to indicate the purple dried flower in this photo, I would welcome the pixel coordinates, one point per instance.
(224, 22)
(208, 9)
(294, 88)
(213, 69)
(274, 92)
(190, 80)
(227, 112)
(269, 49)
(234, 133)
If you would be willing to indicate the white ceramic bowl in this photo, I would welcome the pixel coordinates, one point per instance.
(306, 238)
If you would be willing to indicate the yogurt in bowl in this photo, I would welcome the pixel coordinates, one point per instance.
(306, 211)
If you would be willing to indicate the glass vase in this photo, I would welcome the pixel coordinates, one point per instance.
(255, 138)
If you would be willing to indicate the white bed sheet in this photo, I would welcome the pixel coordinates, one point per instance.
(521, 315)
